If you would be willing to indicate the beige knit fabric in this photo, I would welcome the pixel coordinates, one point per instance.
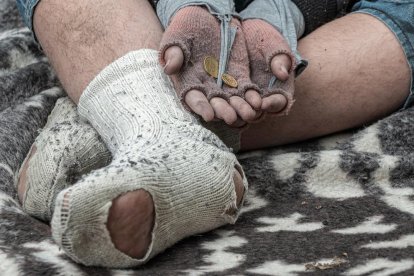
(67, 148)
(156, 146)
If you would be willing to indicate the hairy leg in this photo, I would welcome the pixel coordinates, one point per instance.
(80, 39)
(348, 83)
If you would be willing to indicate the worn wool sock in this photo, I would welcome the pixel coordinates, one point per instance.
(66, 148)
(156, 146)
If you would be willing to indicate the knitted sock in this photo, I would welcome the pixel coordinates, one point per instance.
(67, 148)
(156, 146)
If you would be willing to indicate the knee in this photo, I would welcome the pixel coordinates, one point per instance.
(130, 223)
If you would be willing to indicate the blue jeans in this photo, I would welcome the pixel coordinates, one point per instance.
(398, 15)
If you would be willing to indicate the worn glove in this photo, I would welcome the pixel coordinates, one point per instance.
(272, 28)
(206, 29)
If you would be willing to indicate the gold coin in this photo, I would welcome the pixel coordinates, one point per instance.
(229, 80)
(211, 66)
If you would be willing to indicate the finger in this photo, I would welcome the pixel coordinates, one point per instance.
(238, 123)
(223, 110)
(280, 66)
(259, 116)
(274, 103)
(254, 99)
(174, 59)
(199, 104)
(242, 108)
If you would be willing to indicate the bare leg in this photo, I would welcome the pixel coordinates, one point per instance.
(81, 38)
(348, 83)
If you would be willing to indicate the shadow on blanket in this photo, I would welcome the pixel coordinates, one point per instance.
(343, 204)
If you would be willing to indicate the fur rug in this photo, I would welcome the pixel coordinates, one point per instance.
(341, 205)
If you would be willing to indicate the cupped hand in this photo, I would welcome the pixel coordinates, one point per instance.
(193, 35)
(272, 65)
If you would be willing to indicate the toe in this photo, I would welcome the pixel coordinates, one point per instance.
(21, 186)
(174, 59)
(130, 223)
(242, 108)
(274, 103)
(199, 104)
(239, 187)
(254, 99)
(223, 110)
(280, 66)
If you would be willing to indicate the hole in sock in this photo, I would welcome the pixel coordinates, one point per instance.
(239, 170)
(239, 188)
(22, 182)
(130, 222)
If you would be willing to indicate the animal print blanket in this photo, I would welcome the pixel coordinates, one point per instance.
(341, 205)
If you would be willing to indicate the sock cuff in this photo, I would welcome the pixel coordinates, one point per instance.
(131, 90)
(135, 61)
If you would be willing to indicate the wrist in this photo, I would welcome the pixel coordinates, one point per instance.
(166, 9)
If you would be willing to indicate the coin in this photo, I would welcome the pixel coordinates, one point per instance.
(229, 80)
(211, 66)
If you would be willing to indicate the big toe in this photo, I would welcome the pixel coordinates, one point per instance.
(130, 222)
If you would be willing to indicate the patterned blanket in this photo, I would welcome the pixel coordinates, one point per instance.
(341, 205)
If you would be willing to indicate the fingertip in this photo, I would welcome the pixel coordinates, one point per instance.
(265, 104)
(254, 99)
(199, 104)
(174, 59)
(284, 70)
(247, 113)
(238, 123)
(242, 108)
(207, 114)
(223, 110)
(230, 118)
(274, 103)
(259, 116)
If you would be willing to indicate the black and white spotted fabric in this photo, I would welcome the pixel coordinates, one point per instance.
(342, 205)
